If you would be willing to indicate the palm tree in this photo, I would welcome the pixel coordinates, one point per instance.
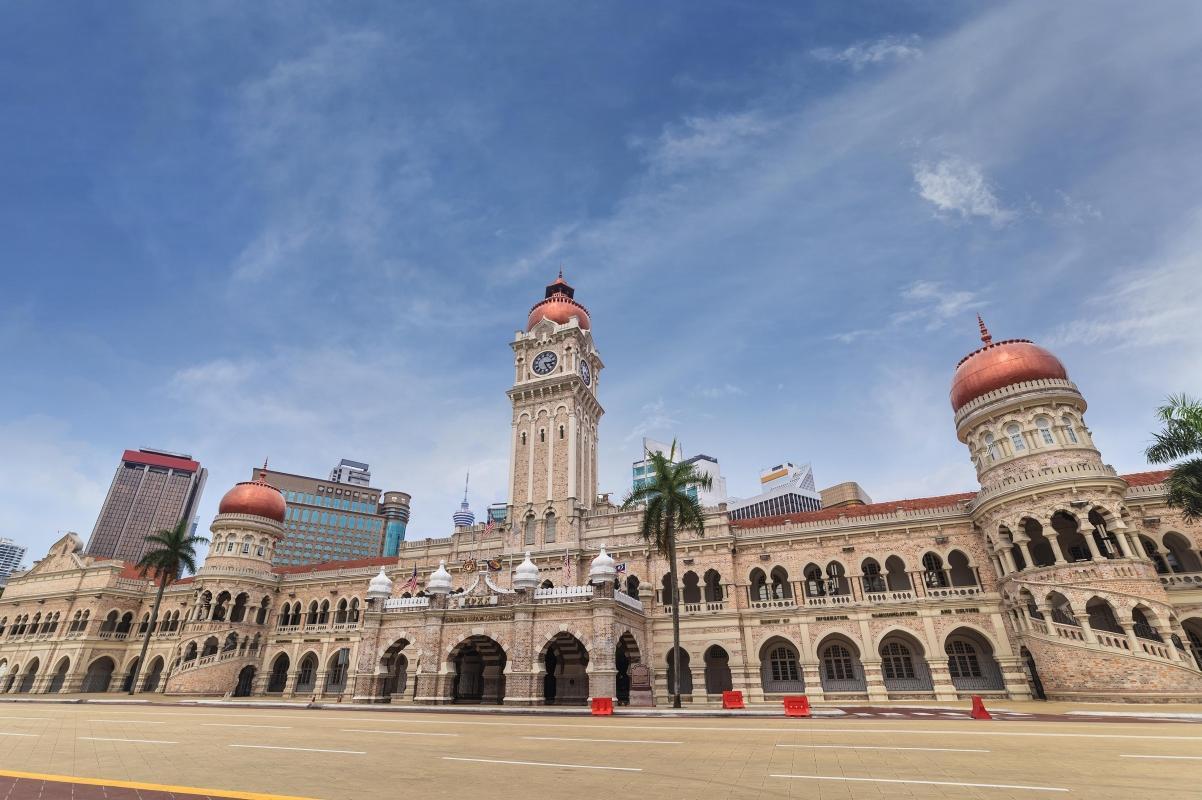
(1181, 437)
(173, 550)
(667, 509)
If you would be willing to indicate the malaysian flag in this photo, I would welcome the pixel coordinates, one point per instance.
(490, 525)
(620, 568)
(411, 584)
(567, 567)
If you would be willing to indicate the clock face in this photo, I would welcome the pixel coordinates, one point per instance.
(544, 362)
(586, 373)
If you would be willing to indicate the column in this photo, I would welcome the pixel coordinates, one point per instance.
(1132, 639)
(603, 677)
(1046, 610)
(1086, 628)
(572, 455)
(1008, 560)
(1120, 536)
(1094, 552)
(1050, 533)
(1025, 549)
(522, 684)
(813, 681)
(290, 685)
(552, 433)
(1166, 633)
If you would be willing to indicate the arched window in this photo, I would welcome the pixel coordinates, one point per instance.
(759, 585)
(837, 663)
(1044, 425)
(780, 669)
(523, 438)
(1069, 430)
(542, 434)
(632, 585)
(935, 576)
(962, 660)
(1016, 437)
(560, 431)
(896, 661)
(991, 446)
(873, 580)
(815, 585)
(780, 584)
(530, 529)
(549, 527)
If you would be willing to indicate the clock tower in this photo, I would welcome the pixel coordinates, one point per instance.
(553, 445)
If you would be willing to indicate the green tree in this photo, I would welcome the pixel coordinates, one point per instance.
(668, 509)
(172, 551)
(1180, 438)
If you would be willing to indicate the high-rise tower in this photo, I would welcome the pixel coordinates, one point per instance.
(553, 450)
(152, 490)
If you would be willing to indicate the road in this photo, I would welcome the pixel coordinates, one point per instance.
(355, 754)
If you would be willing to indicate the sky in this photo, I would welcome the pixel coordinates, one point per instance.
(308, 231)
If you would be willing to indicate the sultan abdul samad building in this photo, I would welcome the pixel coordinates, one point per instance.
(1057, 576)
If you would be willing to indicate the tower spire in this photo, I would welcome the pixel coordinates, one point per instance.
(985, 336)
(467, 480)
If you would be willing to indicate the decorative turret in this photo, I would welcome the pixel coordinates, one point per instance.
(558, 306)
(526, 575)
(602, 570)
(439, 581)
(249, 522)
(380, 587)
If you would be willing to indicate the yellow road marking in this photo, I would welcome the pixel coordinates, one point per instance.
(153, 787)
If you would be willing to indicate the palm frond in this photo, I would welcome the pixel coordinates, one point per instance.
(1185, 489)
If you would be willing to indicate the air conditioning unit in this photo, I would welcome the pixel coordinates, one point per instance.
(849, 549)
(765, 556)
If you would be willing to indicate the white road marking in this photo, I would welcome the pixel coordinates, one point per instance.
(398, 733)
(924, 783)
(923, 714)
(539, 764)
(891, 714)
(870, 747)
(302, 749)
(240, 725)
(866, 714)
(616, 741)
(5, 716)
(19, 734)
(137, 741)
(130, 721)
(962, 732)
(1185, 758)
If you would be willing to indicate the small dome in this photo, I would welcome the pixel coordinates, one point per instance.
(558, 306)
(1000, 364)
(257, 498)
(526, 574)
(439, 581)
(380, 586)
(602, 570)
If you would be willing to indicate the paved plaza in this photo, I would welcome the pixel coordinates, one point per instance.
(159, 751)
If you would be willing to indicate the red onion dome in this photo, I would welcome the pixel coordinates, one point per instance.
(257, 498)
(1000, 364)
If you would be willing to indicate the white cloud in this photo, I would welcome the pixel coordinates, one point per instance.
(654, 418)
(724, 390)
(934, 302)
(862, 54)
(705, 141)
(60, 480)
(956, 186)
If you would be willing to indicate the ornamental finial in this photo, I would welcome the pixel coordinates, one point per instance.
(985, 337)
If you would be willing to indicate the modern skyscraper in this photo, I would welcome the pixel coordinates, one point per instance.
(152, 490)
(640, 471)
(11, 554)
(395, 507)
(331, 521)
(356, 473)
(788, 489)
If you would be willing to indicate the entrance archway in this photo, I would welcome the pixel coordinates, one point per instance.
(627, 655)
(565, 675)
(479, 666)
(971, 663)
(686, 674)
(246, 680)
(99, 675)
(396, 670)
(717, 670)
(154, 675)
(128, 680)
(60, 676)
(31, 673)
(278, 680)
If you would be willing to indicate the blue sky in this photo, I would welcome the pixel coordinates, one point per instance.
(308, 231)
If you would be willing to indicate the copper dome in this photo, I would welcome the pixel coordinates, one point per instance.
(558, 306)
(999, 364)
(257, 498)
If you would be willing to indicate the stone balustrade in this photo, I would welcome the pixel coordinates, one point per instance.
(563, 594)
(1181, 580)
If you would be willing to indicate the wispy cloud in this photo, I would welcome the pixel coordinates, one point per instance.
(654, 418)
(711, 141)
(935, 303)
(724, 390)
(865, 53)
(957, 187)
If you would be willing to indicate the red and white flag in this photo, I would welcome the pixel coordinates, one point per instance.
(411, 584)
(567, 567)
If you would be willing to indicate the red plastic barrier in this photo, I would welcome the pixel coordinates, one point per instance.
(732, 700)
(603, 707)
(978, 708)
(797, 706)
